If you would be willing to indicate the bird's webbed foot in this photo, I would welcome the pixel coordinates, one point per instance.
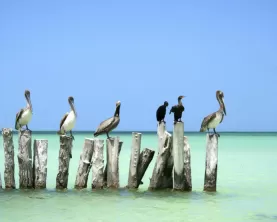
(72, 135)
(215, 133)
(108, 137)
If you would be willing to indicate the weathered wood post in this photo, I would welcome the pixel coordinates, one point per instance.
(187, 165)
(9, 158)
(178, 156)
(157, 179)
(98, 164)
(145, 158)
(40, 163)
(64, 160)
(25, 159)
(134, 160)
(160, 132)
(0, 181)
(84, 164)
(112, 161)
(211, 163)
(106, 167)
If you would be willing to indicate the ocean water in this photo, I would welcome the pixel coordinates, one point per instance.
(246, 185)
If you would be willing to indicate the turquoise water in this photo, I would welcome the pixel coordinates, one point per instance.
(247, 185)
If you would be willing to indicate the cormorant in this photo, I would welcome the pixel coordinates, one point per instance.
(161, 111)
(109, 124)
(178, 110)
(211, 121)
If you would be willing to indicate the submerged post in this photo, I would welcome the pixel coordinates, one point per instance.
(145, 158)
(106, 167)
(187, 165)
(157, 179)
(98, 164)
(178, 156)
(64, 159)
(112, 161)
(134, 159)
(9, 158)
(84, 164)
(40, 163)
(25, 159)
(211, 163)
(0, 181)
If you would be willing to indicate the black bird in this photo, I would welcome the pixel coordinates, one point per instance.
(161, 111)
(178, 110)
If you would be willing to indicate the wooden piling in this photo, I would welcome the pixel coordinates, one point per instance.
(157, 179)
(9, 158)
(211, 163)
(112, 145)
(25, 159)
(145, 159)
(160, 132)
(106, 167)
(178, 156)
(0, 181)
(187, 165)
(40, 163)
(134, 159)
(98, 164)
(64, 160)
(84, 164)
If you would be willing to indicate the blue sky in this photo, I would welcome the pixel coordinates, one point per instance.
(141, 53)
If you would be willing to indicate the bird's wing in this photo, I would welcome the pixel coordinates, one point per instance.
(173, 109)
(207, 119)
(158, 111)
(18, 115)
(63, 119)
(104, 124)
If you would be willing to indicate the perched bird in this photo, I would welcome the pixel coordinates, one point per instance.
(211, 121)
(24, 116)
(178, 110)
(109, 124)
(69, 119)
(161, 111)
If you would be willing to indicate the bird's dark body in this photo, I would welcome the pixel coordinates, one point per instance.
(160, 114)
(178, 111)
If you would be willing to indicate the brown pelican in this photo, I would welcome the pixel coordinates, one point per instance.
(24, 116)
(161, 111)
(109, 124)
(211, 121)
(178, 110)
(69, 119)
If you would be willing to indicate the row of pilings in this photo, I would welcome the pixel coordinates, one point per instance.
(172, 169)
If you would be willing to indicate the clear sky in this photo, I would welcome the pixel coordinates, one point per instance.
(141, 53)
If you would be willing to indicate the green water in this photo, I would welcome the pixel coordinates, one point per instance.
(247, 186)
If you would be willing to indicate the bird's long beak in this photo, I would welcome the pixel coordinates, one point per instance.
(224, 110)
(29, 102)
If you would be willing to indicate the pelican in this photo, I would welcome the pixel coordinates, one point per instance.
(109, 124)
(161, 111)
(178, 110)
(24, 116)
(211, 121)
(69, 119)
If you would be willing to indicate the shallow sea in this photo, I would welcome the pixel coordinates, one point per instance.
(246, 185)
